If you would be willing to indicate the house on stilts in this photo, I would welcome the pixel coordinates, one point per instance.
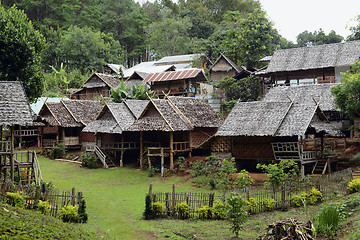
(15, 112)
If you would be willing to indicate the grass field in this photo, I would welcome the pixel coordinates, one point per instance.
(116, 199)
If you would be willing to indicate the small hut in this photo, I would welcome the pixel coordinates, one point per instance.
(223, 67)
(110, 139)
(271, 131)
(179, 83)
(173, 125)
(66, 119)
(14, 112)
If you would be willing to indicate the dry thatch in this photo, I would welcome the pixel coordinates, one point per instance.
(84, 111)
(219, 66)
(303, 95)
(14, 106)
(98, 80)
(136, 106)
(314, 57)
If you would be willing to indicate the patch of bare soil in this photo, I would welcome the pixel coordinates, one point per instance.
(146, 234)
(259, 178)
(351, 151)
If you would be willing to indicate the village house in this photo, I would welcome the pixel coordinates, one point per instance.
(113, 69)
(173, 125)
(257, 131)
(65, 120)
(310, 65)
(180, 83)
(15, 112)
(187, 61)
(109, 141)
(98, 85)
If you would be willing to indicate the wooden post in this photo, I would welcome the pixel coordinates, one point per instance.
(63, 135)
(190, 143)
(73, 196)
(150, 189)
(282, 197)
(302, 169)
(20, 137)
(12, 155)
(122, 150)
(141, 150)
(322, 146)
(173, 199)
(42, 138)
(171, 150)
(162, 162)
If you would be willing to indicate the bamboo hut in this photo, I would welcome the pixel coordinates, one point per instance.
(261, 130)
(310, 65)
(65, 120)
(223, 67)
(173, 125)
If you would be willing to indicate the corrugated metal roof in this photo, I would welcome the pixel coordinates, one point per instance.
(177, 59)
(173, 75)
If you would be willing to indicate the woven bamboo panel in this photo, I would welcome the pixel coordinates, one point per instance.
(221, 144)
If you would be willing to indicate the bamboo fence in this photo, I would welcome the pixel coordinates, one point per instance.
(330, 185)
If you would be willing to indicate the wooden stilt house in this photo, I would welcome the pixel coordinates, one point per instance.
(111, 142)
(271, 130)
(14, 112)
(173, 125)
(66, 119)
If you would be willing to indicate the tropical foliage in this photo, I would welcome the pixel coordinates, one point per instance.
(137, 91)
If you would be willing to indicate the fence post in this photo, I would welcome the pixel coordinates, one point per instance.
(73, 196)
(282, 197)
(79, 197)
(173, 200)
(211, 199)
(150, 189)
(37, 193)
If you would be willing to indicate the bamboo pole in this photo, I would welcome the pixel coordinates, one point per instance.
(171, 150)
(12, 155)
(141, 150)
(122, 150)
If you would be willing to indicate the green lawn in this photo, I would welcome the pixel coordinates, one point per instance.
(116, 199)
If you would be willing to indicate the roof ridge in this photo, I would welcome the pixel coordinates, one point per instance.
(46, 104)
(181, 113)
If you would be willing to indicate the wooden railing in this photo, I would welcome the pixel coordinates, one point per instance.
(151, 144)
(291, 151)
(181, 146)
(308, 155)
(117, 145)
(71, 141)
(101, 156)
(5, 147)
(50, 142)
(26, 132)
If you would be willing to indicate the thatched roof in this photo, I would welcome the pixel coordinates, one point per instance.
(221, 67)
(84, 111)
(101, 80)
(305, 94)
(271, 119)
(70, 113)
(14, 106)
(314, 57)
(197, 111)
(176, 75)
(176, 114)
(116, 117)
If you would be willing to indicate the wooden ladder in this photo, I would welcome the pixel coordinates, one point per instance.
(107, 162)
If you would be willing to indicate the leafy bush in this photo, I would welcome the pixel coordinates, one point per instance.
(89, 160)
(251, 205)
(219, 211)
(327, 220)
(148, 213)
(354, 186)
(58, 151)
(69, 213)
(295, 200)
(83, 216)
(183, 210)
(268, 203)
(158, 209)
(205, 212)
(16, 199)
(43, 207)
(180, 164)
(235, 212)
(314, 196)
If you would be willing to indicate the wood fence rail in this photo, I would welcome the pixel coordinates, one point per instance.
(330, 185)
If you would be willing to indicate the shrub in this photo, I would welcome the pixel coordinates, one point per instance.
(43, 207)
(268, 203)
(205, 212)
(158, 209)
(354, 186)
(327, 220)
(58, 151)
(89, 160)
(69, 213)
(219, 211)
(235, 212)
(251, 205)
(180, 164)
(295, 200)
(183, 210)
(314, 196)
(148, 213)
(83, 216)
(16, 199)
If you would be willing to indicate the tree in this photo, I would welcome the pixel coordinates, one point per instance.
(235, 212)
(20, 47)
(83, 49)
(355, 31)
(251, 39)
(317, 38)
(347, 94)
